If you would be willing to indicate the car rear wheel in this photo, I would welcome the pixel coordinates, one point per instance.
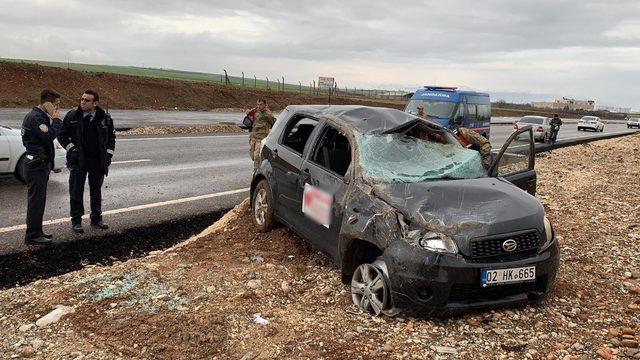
(262, 207)
(19, 173)
(370, 287)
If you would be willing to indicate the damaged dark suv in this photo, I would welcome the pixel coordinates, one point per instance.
(408, 213)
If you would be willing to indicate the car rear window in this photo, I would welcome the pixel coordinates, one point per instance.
(298, 132)
(531, 120)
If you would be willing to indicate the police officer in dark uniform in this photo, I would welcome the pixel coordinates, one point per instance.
(39, 128)
(90, 139)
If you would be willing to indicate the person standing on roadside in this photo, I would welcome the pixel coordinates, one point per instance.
(555, 127)
(39, 128)
(90, 139)
(263, 121)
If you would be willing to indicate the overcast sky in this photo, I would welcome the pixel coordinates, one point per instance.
(583, 49)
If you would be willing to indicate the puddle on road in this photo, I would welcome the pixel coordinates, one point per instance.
(60, 259)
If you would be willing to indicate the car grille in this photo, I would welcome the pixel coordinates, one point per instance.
(493, 246)
(477, 293)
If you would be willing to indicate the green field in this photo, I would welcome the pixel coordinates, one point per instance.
(249, 82)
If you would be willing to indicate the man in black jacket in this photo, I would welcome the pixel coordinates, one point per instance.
(90, 139)
(39, 128)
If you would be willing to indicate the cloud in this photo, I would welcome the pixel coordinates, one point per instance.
(568, 47)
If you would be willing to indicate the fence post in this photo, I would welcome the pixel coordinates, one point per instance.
(255, 82)
(314, 87)
(267, 83)
(300, 87)
(226, 78)
(243, 79)
(283, 83)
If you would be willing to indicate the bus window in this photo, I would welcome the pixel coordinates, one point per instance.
(471, 112)
(484, 112)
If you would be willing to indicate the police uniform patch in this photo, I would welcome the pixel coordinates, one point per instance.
(43, 128)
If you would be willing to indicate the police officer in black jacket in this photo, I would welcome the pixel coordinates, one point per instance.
(90, 139)
(39, 128)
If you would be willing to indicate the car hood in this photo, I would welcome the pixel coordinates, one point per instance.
(465, 209)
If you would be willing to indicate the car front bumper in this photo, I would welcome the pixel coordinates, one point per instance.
(427, 283)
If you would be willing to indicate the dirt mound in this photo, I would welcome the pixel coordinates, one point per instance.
(196, 129)
(211, 296)
(22, 83)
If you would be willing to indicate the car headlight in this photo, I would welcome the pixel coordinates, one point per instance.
(438, 242)
(429, 240)
(548, 232)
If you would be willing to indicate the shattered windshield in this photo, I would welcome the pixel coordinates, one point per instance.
(407, 159)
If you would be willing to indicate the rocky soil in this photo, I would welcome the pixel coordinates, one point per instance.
(196, 129)
(234, 293)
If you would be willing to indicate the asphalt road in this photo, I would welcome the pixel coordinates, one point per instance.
(160, 178)
(136, 118)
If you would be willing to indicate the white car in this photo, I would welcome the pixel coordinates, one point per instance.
(590, 122)
(633, 122)
(12, 154)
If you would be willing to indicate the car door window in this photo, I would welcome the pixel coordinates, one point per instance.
(517, 155)
(333, 151)
(297, 133)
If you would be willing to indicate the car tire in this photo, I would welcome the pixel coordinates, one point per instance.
(370, 289)
(262, 207)
(19, 172)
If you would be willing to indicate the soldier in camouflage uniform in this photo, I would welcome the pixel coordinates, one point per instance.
(262, 123)
(477, 142)
(422, 114)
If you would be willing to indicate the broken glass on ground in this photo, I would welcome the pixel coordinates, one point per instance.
(407, 159)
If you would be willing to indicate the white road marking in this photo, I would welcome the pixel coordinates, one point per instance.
(130, 161)
(181, 137)
(133, 208)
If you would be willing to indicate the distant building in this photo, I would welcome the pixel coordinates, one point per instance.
(565, 104)
(614, 109)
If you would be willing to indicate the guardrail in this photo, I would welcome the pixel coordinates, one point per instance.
(582, 140)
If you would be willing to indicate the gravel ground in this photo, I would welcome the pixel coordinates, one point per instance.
(234, 293)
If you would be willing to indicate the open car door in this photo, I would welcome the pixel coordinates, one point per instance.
(516, 160)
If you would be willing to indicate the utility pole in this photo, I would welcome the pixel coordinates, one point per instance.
(243, 79)
(267, 83)
(283, 83)
(255, 82)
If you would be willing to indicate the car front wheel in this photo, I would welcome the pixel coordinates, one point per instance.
(262, 207)
(370, 287)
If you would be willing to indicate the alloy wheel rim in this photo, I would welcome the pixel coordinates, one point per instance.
(368, 289)
(260, 206)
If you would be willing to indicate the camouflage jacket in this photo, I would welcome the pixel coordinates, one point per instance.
(471, 137)
(262, 123)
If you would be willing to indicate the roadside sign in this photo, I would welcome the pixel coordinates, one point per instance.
(326, 82)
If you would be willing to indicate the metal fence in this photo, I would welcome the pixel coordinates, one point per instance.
(310, 88)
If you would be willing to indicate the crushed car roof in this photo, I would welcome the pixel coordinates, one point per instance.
(364, 119)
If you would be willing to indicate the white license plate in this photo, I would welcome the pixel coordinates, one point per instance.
(506, 276)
